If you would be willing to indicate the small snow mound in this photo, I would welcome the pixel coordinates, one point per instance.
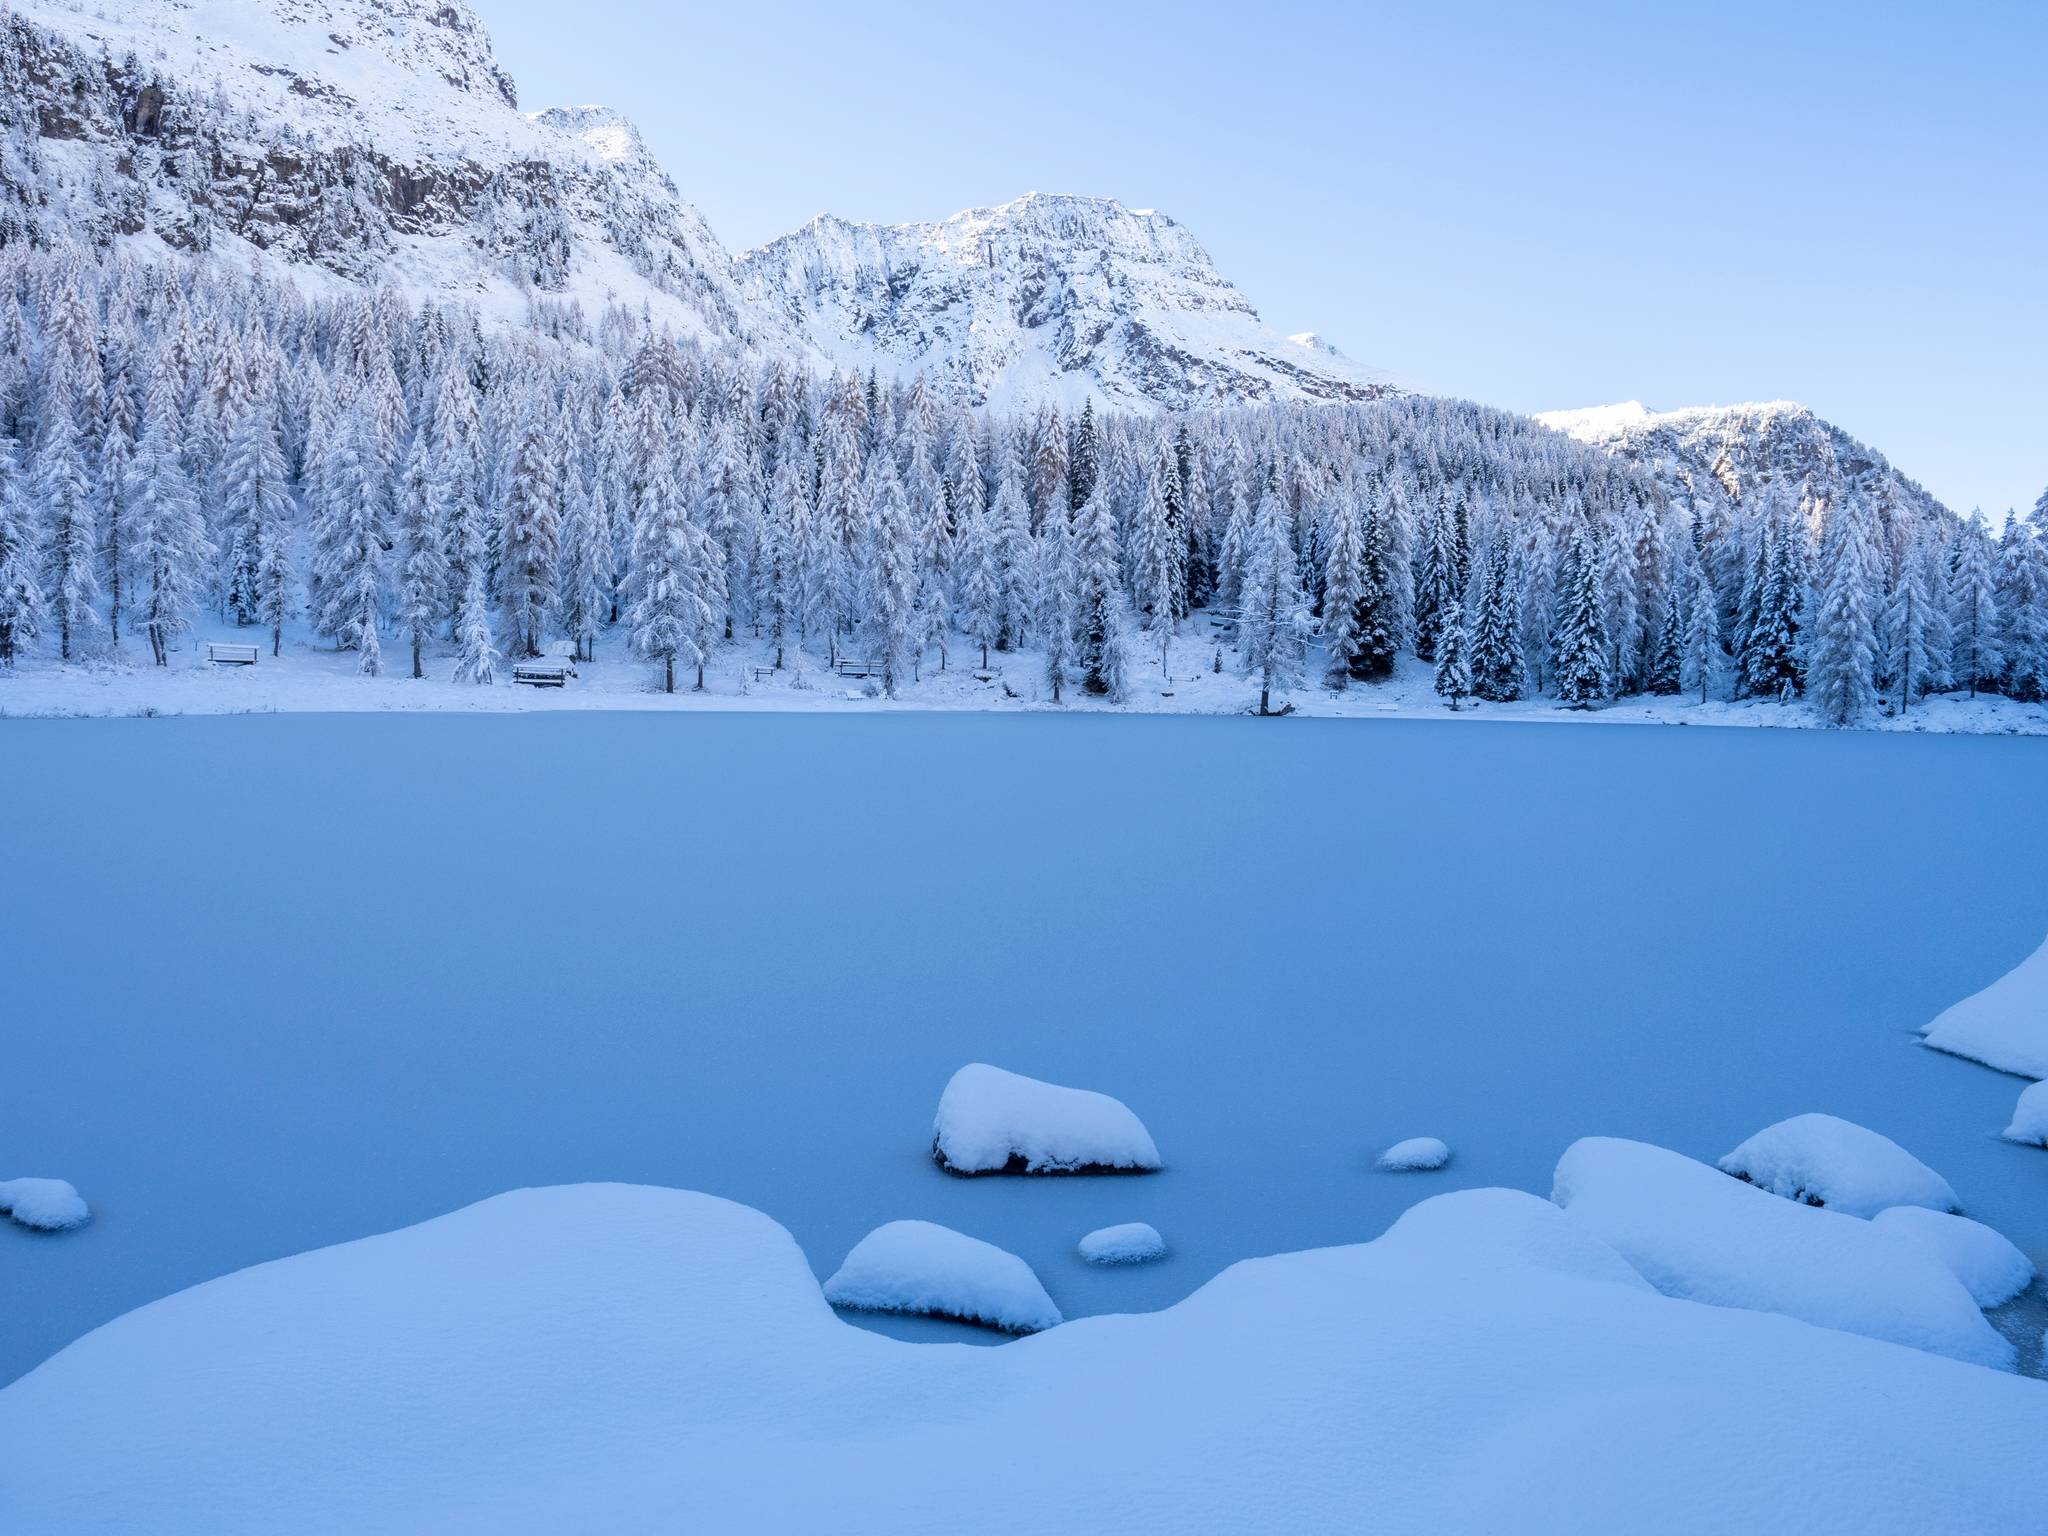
(1695, 1234)
(2030, 1117)
(1417, 1154)
(1822, 1160)
(992, 1121)
(1135, 1242)
(1990, 1268)
(922, 1267)
(2004, 1026)
(48, 1205)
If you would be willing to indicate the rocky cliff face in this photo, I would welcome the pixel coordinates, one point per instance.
(1741, 447)
(357, 140)
(1042, 298)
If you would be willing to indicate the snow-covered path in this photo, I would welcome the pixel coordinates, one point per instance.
(278, 981)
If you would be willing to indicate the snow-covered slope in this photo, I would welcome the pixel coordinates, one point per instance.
(1737, 447)
(350, 140)
(1045, 298)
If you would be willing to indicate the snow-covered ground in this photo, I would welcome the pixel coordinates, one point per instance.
(293, 980)
(311, 676)
(626, 1359)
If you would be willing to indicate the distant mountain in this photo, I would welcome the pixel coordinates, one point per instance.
(1045, 298)
(1738, 447)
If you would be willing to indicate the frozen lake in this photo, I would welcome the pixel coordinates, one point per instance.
(273, 982)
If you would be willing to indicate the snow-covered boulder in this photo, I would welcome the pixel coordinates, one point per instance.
(1822, 1160)
(1134, 1242)
(2030, 1117)
(1693, 1233)
(48, 1205)
(1990, 1268)
(992, 1121)
(610, 1358)
(1418, 1154)
(2004, 1026)
(922, 1267)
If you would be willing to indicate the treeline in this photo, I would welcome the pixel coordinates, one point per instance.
(173, 440)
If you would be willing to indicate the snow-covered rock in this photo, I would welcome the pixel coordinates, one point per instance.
(1822, 1160)
(2030, 1117)
(2004, 1026)
(924, 1268)
(992, 1121)
(48, 1205)
(1697, 1234)
(613, 1358)
(1047, 298)
(1990, 1268)
(1417, 1154)
(1133, 1242)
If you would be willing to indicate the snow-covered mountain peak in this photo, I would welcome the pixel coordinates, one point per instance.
(607, 134)
(1050, 296)
(1314, 343)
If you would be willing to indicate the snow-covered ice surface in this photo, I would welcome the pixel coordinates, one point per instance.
(924, 1268)
(2005, 1025)
(1695, 1233)
(1130, 1242)
(295, 959)
(2029, 1123)
(624, 1359)
(1991, 1269)
(1418, 1154)
(47, 1205)
(993, 1121)
(1825, 1160)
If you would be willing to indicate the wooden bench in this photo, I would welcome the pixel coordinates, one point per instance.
(762, 674)
(848, 666)
(230, 655)
(543, 674)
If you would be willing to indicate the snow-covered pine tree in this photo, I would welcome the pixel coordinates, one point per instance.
(1099, 651)
(255, 502)
(349, 559)
(1916, 626)
(21, 594)
(1580, 648)
(2023, 609)
(1667, 657)
(677, 578)
(530, 531)
(778, 604)
(1054, 599)
(63, 492)
(1016, 560)
(169, 550)
(422, 552)
(1273, 617)
(1453, 672)
(1436, 573)
(889, 559)
(1703, 657)
(1343, 586)
(1159, 556)
(1841, 642)
(1497, 665)
(1973, 607)
(458, 471)
(978, 582)
(1622, 619)
(116, 520)
(1770, 660)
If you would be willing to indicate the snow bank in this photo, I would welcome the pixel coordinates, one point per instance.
(2004, 1026)
(2030, 1117)
(919, 1266)
(620, 1359)
(1837, 1163)
(1990, 1268)
(48, 1205)
(1416, 1154)
(1694, 1233)
(1134, 1242)
(992, 1121)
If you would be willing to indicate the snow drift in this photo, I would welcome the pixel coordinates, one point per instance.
(1695, 1233)
(48, 1205)
(1418, 1154)
(1825, 1161)
(992, 1121)
(603, 1357)
(924, 1268)
(2004, 1026)
(2030, 1117)
(1133, 1242)
(1990, 1268)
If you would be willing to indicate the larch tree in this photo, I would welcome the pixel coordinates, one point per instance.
(170, 549)
(1453, 670)
(1842, 639)
(1343, 587)
(1973, 607)
(1273, 616)
(1098, 601)
(1497, 665)
(1702, 662)
(422, 552)
(21, 594)
(256, 505)
(63, 491)
(1581, 650)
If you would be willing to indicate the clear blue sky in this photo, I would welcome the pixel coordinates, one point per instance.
(1531, 205)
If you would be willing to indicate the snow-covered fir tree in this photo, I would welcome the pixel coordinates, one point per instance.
(1453, 670)
(1272, 616)
(21, 593)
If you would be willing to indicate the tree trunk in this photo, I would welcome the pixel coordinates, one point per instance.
(669, 685)
(416, 672)
(277, 638)
(1262, 701)
(700, 677)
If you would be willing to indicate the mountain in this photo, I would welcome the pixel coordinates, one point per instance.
(1740, 446)
(1045, 298)
(345, 141)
